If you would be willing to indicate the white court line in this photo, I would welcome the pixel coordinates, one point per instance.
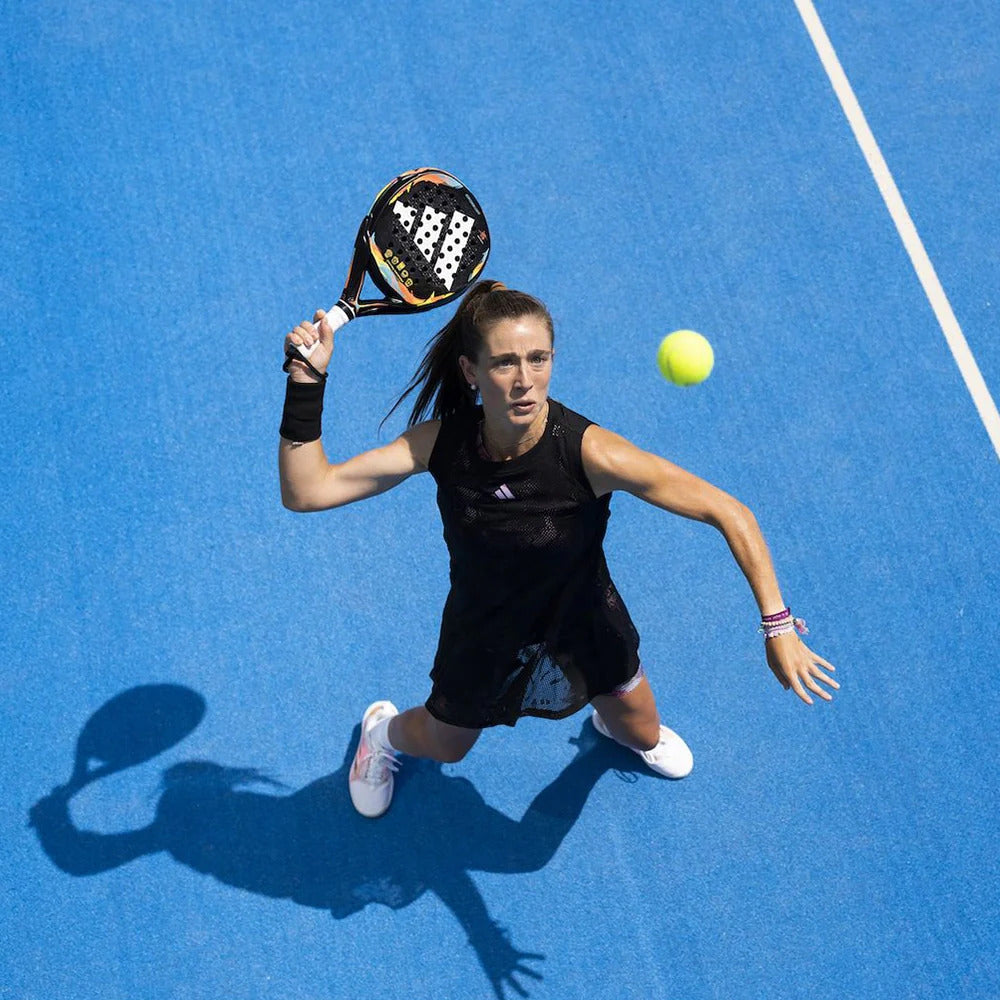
(904, 224)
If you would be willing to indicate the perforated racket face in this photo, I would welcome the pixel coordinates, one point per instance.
(427, 238)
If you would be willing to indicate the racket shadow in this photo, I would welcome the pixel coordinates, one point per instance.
(310, 846)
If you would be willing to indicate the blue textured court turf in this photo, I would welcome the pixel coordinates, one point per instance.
(180, 185)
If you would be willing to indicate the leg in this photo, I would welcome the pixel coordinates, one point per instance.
(632, 719)
(416, 732)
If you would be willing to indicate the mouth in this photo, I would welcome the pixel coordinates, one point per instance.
(522, 406)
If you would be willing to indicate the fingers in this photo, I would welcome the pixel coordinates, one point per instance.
(325, 330)
(822, 662)
(814, 669)
(816, 689)
(321, 323)
(800, 690)
(300, 343)
(818, 659)
(807, 677)
(798, 667)
(304, 335)
(521, 969)
(308, 334)
(826, 680)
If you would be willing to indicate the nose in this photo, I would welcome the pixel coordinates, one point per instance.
(523, 378)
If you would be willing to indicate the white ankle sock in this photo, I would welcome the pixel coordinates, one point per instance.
(378, 736)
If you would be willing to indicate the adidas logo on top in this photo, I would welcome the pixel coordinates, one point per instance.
(503, 493)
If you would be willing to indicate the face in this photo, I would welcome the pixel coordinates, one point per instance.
(513, 369)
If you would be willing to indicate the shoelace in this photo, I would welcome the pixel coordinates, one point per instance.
(379, 763)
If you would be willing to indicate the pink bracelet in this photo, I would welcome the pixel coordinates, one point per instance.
(784, 630)
(780, 616)
(788, 624)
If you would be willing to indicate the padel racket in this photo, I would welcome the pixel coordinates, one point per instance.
(424, 241)
(133, 727)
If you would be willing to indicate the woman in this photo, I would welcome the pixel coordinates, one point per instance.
(533, 624)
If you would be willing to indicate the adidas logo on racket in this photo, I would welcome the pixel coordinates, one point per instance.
(422, 243)
(441, 245)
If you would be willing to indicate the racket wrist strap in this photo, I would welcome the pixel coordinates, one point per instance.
(302, 417)
(294, 355)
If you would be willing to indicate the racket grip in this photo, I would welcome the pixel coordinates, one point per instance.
(336, 318)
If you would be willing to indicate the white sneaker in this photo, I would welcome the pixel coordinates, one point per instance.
(670, 757)
(371, 778)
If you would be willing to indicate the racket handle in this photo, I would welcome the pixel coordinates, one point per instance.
(336, 318)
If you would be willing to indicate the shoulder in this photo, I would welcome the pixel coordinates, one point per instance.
(420, 439)
(612, 462)
(565, 417)
(602, 448)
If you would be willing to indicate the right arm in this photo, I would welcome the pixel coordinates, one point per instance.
(309, 481)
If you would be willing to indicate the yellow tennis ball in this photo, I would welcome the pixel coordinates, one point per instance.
(685, 357)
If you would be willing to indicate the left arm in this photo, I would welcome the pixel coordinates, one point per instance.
(613, 463)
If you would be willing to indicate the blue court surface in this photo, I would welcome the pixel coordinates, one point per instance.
(181, 184)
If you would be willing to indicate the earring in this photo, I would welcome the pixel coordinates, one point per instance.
(474, 387)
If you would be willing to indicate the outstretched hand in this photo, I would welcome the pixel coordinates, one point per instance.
(797, 667)
(307, 334)
(502, 962)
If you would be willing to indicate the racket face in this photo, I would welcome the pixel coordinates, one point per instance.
(427, 238)
(138, 724)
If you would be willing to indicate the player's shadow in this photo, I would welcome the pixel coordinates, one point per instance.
(311, 846)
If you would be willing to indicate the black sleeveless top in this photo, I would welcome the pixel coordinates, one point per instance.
(533, 624)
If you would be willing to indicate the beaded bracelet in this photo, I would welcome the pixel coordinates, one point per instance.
(773, 625)
(783, 630)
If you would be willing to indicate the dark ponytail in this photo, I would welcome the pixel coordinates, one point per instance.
(438, 381)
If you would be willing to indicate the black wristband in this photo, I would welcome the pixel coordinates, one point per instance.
(301, 419)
